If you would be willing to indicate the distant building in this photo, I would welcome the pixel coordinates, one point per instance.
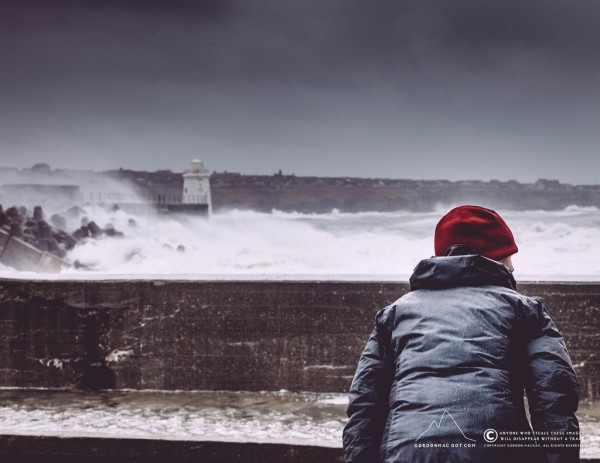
(545, 184)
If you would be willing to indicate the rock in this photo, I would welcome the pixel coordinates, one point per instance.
(14, 215)
(109, 230)
(15, 230)
(80, 265)
(42, 245)
(50, 245)
(29, 231)
(45, 230)
(38, 213)
(65, 239)
(29, 237)
(53, 247)
(114, 233)
(33, 228)
(58, 221)
(51, 238)
(94, 229)
(81, 233)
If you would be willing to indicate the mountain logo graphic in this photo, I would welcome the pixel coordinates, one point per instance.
(437, 424)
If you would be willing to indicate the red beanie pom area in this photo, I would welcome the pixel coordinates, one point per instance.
(477, 227)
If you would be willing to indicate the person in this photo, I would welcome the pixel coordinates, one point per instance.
(443, 374)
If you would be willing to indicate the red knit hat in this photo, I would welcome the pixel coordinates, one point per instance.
(477, 227)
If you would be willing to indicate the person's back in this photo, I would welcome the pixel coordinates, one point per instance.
(450, 360)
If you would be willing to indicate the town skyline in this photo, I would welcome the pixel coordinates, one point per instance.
(43, 167)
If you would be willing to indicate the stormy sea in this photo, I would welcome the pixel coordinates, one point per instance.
(559, 245)
(236, 244)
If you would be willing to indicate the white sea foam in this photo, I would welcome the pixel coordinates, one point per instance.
(369, 245)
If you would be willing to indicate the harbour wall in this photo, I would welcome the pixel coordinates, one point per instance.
(226, 335)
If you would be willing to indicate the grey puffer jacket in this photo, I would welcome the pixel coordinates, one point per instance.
(451, 360)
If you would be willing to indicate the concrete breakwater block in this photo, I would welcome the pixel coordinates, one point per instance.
(4, 237)
(22, 256)
(50, 263)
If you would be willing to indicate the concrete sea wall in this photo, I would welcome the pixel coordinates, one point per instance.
(50, 449)
(225, 335)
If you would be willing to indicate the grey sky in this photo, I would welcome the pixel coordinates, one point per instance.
(455, 89)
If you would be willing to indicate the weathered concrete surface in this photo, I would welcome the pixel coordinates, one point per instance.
(225, 335)
(40, 449)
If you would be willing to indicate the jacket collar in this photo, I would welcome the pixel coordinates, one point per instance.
(462, 270)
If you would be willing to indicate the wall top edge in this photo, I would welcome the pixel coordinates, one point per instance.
(166, 281)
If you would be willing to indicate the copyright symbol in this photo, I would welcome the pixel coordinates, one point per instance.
(490, 435)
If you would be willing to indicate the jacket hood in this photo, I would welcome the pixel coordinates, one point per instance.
(462, 270)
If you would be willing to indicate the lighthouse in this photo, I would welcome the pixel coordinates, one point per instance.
(196, 185)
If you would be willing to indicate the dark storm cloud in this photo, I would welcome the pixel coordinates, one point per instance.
(557, 26)
(311, 86)
(292, 42)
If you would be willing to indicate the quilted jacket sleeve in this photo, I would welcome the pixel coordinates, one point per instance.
(369, 392)
(552, 387)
